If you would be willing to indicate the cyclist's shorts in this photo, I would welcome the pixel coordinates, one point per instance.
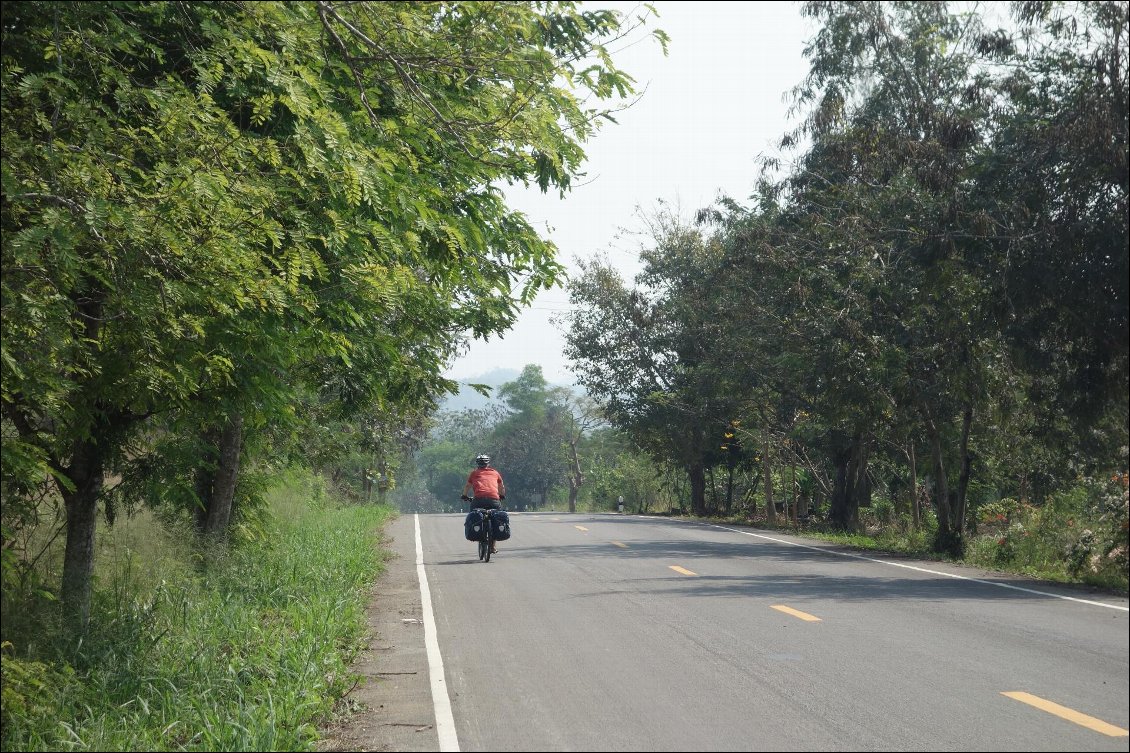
(486, 504)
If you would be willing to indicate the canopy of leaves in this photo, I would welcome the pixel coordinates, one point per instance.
(208, 203)
(943, 265)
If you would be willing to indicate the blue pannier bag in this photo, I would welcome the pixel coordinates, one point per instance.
(500, 520)
(473, 527)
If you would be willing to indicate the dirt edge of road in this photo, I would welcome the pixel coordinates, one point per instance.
(391, 708)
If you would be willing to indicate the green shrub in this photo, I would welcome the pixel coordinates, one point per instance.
(1001, 511)
(32, 693)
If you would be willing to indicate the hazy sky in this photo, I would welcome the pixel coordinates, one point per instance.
(710, 108)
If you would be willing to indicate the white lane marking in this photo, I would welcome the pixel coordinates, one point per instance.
(445, 722)
(899, 564)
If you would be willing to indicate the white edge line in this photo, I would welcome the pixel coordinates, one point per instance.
(445, 722)
(899, 564)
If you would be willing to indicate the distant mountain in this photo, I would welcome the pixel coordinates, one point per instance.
(494, 377)
(469, 399)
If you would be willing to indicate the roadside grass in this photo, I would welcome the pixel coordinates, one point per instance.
(1055, 543)
(245, 647)
(1078, 537)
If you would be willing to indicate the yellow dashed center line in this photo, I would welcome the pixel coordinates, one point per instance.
(1090, 722)
(682, 570)
(796, 613)
(621, 545)
(580, 528)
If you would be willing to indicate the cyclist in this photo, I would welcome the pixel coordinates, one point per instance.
(486, 486)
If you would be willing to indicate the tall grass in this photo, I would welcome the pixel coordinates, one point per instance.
(244, 647)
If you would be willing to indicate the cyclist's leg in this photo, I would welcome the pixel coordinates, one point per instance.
(486, 545)
(477, 505)
(488, 505)
(496, 505)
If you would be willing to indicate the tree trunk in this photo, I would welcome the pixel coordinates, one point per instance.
(837, 513)
(86, 474)
(767, 479)
(966, 464)
(795, 513)
(215, 484)
(227, 473)
(696, 474)
(941, 484)
(383, 484)
(751, 492)
(916, 510)
(713, 493)
(576, 476)
(862, 495)
(947, 538)
(850, 485)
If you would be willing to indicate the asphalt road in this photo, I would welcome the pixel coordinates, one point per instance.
(618, 632)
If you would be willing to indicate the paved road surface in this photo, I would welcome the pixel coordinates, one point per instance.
(619, 632)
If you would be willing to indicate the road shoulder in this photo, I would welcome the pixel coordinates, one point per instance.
(391, 708)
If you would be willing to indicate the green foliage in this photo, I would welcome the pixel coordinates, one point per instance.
(32, 691)
(998, 512)
(932, 283)
(244, 650)
(445, 466)
(526, 437)
(645, 352)
(1079, 535)
(883, 511)
(285, 212)
(629, 473)
(531, 441)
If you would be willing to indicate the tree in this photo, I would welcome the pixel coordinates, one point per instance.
(582, 416)
(869, 305)
(648, 354)
(1057, 173)
(207, 207)
(877, 286)
(531, 440)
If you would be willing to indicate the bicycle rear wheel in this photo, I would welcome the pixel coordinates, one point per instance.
(484, 549)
